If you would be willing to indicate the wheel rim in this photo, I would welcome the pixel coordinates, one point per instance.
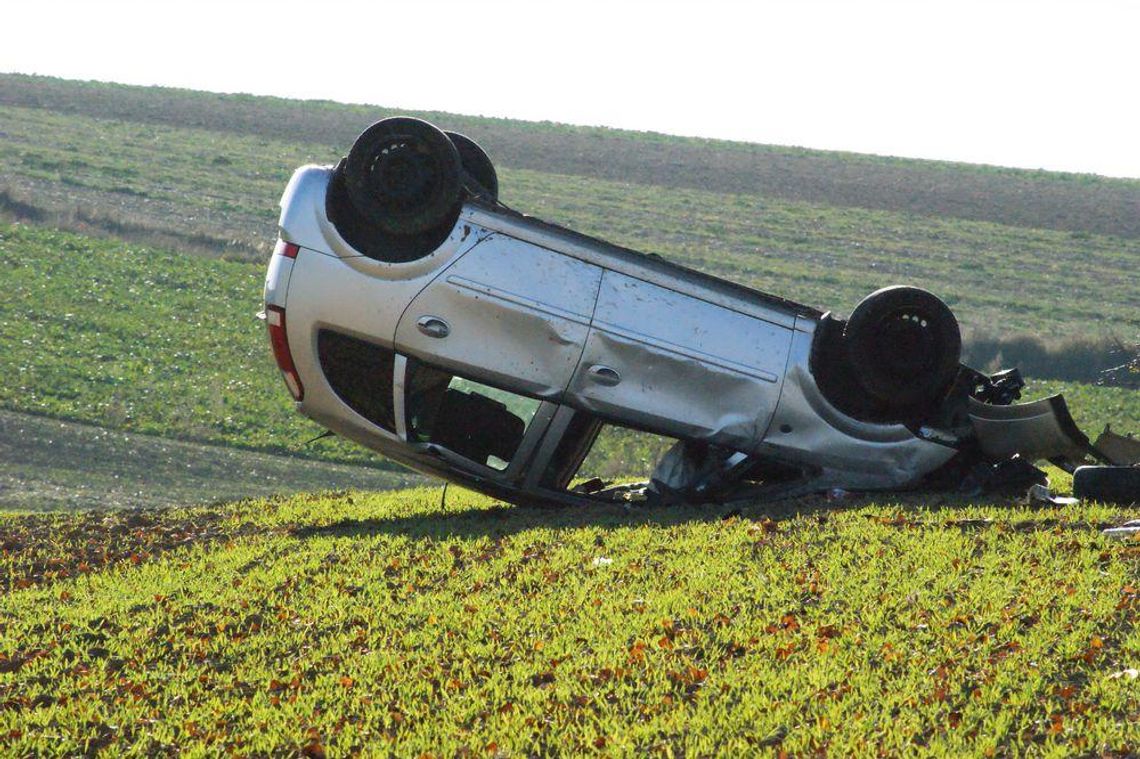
(403, 175)
(907, 344)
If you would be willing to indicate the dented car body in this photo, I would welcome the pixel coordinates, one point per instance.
(413, 313)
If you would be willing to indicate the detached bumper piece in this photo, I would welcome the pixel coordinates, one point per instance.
(1045, 429)
(1042, 429)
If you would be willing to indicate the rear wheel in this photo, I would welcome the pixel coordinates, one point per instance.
(904, 345)
(404, 176)
(476, 166)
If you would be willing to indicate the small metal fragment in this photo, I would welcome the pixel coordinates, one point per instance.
(1042, 494)
(1126, 531)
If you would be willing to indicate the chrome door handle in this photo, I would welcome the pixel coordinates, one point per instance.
(604, 375)
(433, 326)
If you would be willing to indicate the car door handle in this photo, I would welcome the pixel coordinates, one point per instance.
(604, 375)
(433, 326)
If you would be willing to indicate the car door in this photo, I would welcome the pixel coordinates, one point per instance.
(678, 364)
(508, 313)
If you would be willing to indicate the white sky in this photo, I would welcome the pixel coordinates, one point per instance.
(1034, 84)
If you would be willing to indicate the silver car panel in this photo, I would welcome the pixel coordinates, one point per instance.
(277, 280)
(807, 431)
(516, 315)
(400, 369)
(325, 292)
(680, 365)
(1038, 430)
(640, 266)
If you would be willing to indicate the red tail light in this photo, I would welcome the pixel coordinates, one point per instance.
(275, 318)
(287, 249)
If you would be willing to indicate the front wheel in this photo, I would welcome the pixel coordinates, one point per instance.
(904, 345)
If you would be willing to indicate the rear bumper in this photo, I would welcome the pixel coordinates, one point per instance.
(1042, 429)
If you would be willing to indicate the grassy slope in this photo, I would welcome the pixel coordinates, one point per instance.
(143, 340)
(195, 187)
(152, 341)
(1023, 198)
(380, 622)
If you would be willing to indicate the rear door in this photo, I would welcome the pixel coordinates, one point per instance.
(676, 364)
(508, 313)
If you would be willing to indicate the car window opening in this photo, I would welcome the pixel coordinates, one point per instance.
(476, 421)
(360, 373)
(605, 461)
(621, 455)
(613, 463)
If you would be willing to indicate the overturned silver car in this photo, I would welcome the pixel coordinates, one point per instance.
(412, 312)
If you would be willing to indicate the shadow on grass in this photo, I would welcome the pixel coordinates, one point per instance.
(502, 521)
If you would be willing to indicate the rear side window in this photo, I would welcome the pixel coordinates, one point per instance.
(360, 373)
(478, 422)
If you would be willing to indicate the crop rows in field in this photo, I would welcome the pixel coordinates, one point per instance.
(196, 188)
(1070, 202)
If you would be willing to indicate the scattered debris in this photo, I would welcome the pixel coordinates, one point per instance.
(1010, 477)
(1042, 494)
(1121, 450)
(1108, 484)
(1126, 531)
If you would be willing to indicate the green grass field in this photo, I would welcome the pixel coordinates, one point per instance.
(408, 624)
(216, 191)
(385, 624)
(144, 340)
(163, 343)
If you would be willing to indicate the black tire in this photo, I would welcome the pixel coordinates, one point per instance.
(368, 238)
(476, 166)
(1109, 484)
(904, 345)
(404, 176)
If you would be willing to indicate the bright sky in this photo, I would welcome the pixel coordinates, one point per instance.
(1034, 84)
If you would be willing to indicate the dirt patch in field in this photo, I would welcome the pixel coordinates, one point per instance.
(53, 465)
(42, 549)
